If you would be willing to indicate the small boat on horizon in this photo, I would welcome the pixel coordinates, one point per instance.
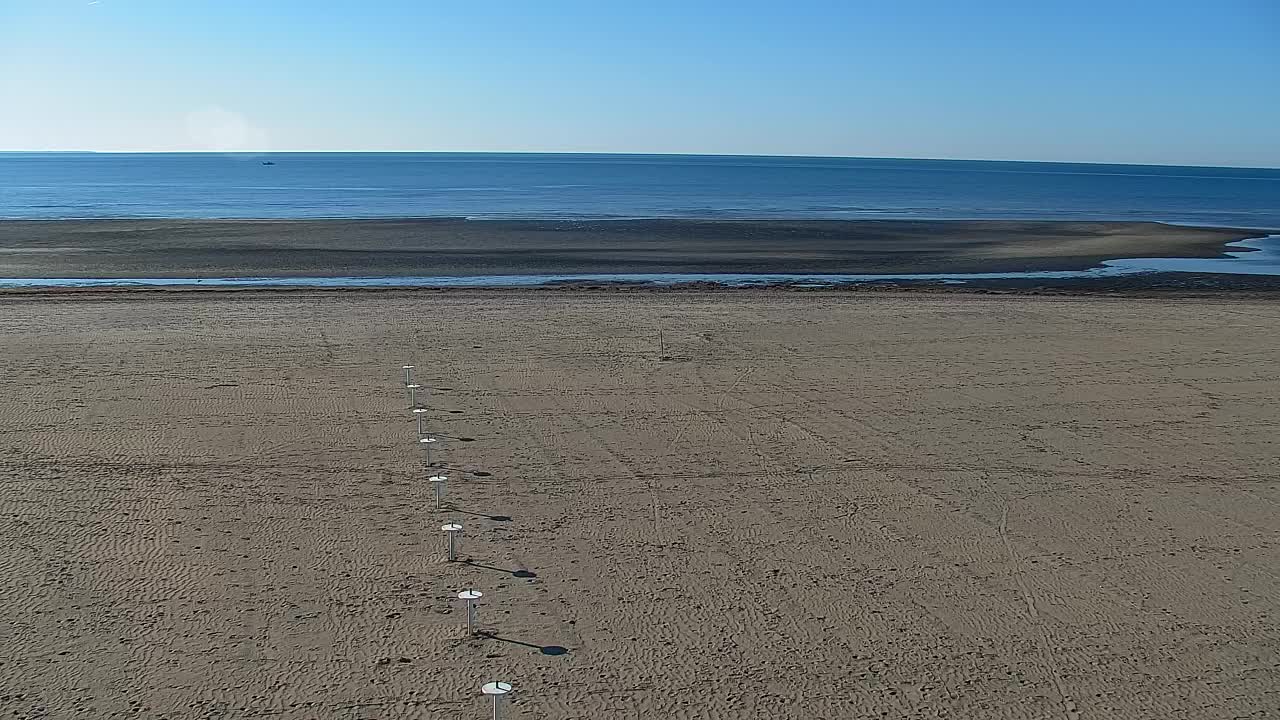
(267, 162)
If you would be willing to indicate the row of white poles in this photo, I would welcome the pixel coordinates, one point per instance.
(452, 530)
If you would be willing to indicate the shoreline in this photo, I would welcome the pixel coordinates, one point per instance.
(452, 247)
(1154, 285)
(723, 217)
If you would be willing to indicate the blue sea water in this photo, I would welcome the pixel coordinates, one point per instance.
(578, 186)
(493, 185)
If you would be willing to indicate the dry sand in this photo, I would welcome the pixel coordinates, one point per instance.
(819, 506)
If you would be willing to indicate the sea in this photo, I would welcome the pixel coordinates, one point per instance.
(587, 186)
(605, 187)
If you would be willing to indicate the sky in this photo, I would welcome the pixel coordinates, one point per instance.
(1163, 82)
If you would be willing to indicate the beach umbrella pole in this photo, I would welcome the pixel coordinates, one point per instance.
(496, 690)
(452, 530)
(437, 486)
(470, 597)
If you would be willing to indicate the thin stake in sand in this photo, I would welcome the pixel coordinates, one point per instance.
(471, 596)
(408, 374)
(413, 394)
(418, 413)
(497, 690)
(451, 531)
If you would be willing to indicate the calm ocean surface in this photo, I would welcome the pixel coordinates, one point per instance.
(491, 185)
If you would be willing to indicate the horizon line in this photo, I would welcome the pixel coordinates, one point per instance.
(624, 153)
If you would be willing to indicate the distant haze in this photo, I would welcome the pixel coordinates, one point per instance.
(1138, 81)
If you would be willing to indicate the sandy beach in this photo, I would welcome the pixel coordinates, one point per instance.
(795, 506)
(451, 246)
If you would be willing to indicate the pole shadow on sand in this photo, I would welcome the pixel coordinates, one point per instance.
(494, 518)
(519, 573)
(553, 650)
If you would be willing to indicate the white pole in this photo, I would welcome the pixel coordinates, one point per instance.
(413, 395)
(471, 596)
(437, 482)
(418, 413)
(427, 442)
(452, 529)
(408, 374)
(496, 689)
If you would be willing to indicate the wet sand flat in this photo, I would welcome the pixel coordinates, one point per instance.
(451, 247)
(816, 506)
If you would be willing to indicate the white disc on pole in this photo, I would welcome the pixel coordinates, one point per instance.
(451, 527)
(406, 367)
(413, 386)
(496, 688)
(438, 478)
(420, 410)
(428, 440)
(470, 595)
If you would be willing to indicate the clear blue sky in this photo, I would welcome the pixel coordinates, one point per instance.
(1168, 81)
